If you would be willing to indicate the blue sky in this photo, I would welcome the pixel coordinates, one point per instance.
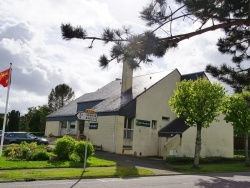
(30, 38)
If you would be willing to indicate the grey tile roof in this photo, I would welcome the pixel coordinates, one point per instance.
(193, 76)
(177, 126)
(110, 94)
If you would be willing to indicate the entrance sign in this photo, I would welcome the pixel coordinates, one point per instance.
(144, 123)
(93, 125)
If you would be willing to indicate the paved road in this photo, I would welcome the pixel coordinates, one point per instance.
(222, 180)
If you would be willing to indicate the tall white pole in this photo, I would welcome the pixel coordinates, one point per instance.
(5, 113)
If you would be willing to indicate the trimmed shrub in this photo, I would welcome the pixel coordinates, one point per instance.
(64, 147)
(80, 150)
(39, 155)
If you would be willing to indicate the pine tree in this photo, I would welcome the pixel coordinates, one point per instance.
(59, 96)
(235, 43)
(135, 49)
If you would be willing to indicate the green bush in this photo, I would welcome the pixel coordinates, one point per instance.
(11, 150)
(64, 147)
(179, 160)
(39, 155)
(24, 151)
(80, 150)
(49, 148)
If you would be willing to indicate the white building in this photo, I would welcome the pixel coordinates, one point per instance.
(134, 118)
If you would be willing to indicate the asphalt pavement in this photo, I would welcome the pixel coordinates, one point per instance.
(155, 164)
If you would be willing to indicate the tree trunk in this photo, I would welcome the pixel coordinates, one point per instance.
(197, 147)
(246, 149)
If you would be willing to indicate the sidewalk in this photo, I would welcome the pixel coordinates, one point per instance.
(156, 165)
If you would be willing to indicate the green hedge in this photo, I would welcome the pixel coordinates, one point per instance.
(208, 160)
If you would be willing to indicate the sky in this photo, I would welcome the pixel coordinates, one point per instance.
(30, 39)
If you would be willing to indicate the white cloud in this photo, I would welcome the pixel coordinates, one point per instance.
(30, 38)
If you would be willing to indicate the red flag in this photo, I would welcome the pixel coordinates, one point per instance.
(5, 77)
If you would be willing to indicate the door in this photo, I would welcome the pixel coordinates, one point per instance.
(63, 128)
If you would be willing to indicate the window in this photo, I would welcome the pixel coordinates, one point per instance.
(154, 124)
(72, 125)
(128, 128)
(12, 135)
(63, 124)
(21, 135)
(30, 136)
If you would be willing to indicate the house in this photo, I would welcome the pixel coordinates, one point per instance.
(134, 118)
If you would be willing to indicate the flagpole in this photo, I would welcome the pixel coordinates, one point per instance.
(5, 114)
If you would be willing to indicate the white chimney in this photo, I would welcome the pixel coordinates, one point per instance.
(127, 77)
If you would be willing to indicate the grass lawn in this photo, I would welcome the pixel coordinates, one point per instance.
(67, 173)
(98, 168)
(31, 170)
(92, 162)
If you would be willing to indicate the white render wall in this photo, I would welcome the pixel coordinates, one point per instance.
(109, 133)
(152, 105)
(217, 140)
(52, 127)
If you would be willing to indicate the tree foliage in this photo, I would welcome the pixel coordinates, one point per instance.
(35, 119)
(236, 44)
(199, 101)
(237, 111)
(43, 112)
(59, 96)
(26, 118)
(13, 120)
(135, 49)
(1, 121)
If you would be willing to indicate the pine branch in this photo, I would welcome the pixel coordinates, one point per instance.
(178, 38)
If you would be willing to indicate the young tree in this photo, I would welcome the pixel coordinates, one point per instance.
(35, 119)
(237, 111)
(60, 96)
(13, 120)
(43, 112)
(26, 118)
(199, 101)
(230, 15)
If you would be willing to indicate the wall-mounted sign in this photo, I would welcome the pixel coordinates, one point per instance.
(143, 123)
(93, 125)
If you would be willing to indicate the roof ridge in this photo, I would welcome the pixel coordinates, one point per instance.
(153, 73)
(193, 73)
